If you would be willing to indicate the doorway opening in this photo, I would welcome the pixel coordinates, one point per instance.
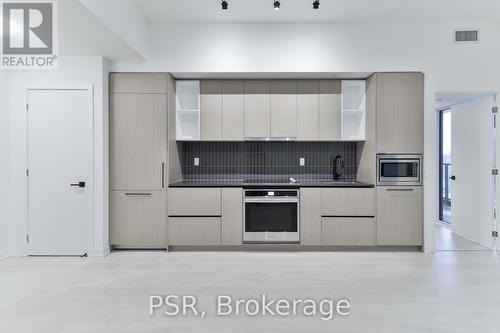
(467, 180)
(445, 173)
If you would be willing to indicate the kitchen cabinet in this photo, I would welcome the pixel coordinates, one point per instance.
(138, 219)
(211, 110)
(353, 115)
(138, 83)
(399, 215)
(329, 110)
(348, 202)
(348, 231)
(232, 216)
(310, 216)
(233, 110)
(400, 112)
(307, 110)
(138, 141)
(194, 202)
(187, 97)
(257, 109)
(194, 230)
(283, 108)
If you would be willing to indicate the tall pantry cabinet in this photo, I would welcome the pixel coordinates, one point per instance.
(138, 160)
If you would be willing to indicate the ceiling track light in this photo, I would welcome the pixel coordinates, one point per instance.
(316, 4)
(224, 4)
(277, 5)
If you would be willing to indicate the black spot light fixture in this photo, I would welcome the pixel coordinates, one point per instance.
(277, 5)
(316, 4)
(224, 5)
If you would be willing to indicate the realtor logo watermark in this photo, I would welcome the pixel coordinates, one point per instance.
(29, 34)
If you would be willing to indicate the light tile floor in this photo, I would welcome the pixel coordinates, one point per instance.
(389, 291)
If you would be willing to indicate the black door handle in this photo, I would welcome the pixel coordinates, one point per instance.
(453, 177)
(79, 184)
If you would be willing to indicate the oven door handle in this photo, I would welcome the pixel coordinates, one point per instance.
(272, 200)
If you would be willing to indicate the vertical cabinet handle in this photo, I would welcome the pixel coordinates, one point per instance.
(163, 175)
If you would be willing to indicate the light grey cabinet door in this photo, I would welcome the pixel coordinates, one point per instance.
(211, 110)
(257, 109)
(349, 231)
(307, 110)
(399, 215)
(232, 216)
(330, 110)
(138, 83)
(233, 110)
(194, 202)
(348, 202)
(283, 108)
(310, 216)
(138, 141)
(400, 112)
(137, 219)
(193, 230)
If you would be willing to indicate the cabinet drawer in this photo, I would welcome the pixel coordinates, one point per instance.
(194, 202)
(348, 202)
(194, 231)
(138, 219)
(360, 231)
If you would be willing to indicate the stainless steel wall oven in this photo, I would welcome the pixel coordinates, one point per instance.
(271, 216)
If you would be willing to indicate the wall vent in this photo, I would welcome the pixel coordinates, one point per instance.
(466, 36)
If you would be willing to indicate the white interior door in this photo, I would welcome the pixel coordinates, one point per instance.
(472, 159)
(59, 158)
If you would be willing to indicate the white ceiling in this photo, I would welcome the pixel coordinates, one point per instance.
(253, 11)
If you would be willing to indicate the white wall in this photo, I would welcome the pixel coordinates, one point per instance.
(72, 71)
(338, 47)
(4, 163)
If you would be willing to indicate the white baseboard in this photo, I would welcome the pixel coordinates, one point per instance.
(105, 252)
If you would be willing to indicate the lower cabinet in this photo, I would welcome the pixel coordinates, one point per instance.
(138, 219)
(399, 215)
(310, 216)
(232, 216)
(349, 231)
(190, 230)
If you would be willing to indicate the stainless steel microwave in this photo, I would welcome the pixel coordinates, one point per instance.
(399, 169)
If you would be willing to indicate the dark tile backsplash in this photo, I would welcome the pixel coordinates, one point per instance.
(265, 161)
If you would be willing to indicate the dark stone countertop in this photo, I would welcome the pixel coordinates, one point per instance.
(241, 183)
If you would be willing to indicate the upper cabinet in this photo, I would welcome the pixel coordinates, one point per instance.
(187, 110)
(257, 109)
(307, 110)
(329, 110)
(211, 110)
(400, 112)
(353, 115)
(284, 109)
(233, 110)
(303, 110)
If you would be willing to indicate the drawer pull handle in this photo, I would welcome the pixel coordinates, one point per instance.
(400, 189)
(138, 194)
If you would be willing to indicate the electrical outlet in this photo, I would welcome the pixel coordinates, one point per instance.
(302, 161)
(196, 161)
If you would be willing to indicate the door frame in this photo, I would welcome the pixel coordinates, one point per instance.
(91, 181)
